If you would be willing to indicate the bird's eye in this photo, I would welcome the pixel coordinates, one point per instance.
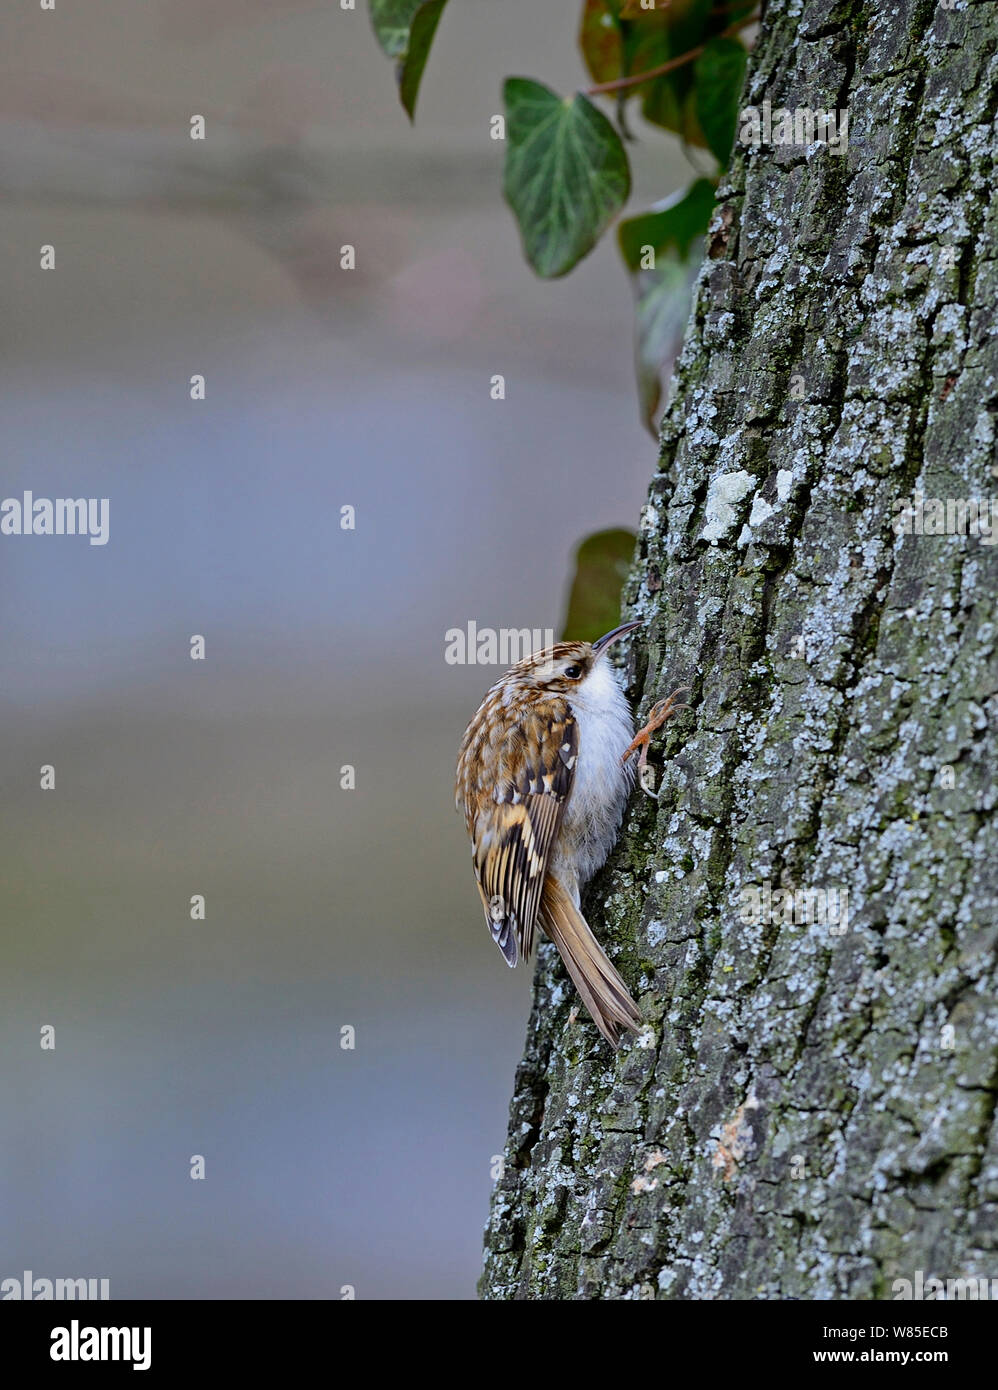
(573, 672)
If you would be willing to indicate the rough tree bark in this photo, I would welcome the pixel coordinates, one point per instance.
(807, 1114)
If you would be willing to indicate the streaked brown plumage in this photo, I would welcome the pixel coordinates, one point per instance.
(542, 778)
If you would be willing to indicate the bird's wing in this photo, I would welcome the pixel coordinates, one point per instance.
(530, 766)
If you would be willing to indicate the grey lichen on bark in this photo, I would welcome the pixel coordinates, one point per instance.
(810, 1112)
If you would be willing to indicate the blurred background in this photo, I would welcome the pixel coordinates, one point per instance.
(324, 907)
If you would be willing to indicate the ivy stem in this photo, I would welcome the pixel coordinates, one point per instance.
(636, 78)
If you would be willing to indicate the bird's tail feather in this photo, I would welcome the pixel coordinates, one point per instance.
(603, 991)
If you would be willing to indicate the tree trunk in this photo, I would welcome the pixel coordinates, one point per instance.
(810, 1111)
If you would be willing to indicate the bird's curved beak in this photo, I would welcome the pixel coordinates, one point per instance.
(601, 644)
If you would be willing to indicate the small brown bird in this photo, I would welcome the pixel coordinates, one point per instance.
(543, 776)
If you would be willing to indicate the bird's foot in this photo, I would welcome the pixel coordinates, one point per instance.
(660, 712)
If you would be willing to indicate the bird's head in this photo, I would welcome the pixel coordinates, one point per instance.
(561, 669)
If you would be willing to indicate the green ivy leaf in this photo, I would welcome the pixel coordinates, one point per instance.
(676, 226)
(661, 310)
(669, 102)
(405, 30)
(424, 26)
(654, 38)
(719, 73)
(602, 562)
(663, 282)
(566, 176)
(392, 20)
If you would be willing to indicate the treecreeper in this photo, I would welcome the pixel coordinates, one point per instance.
(543, 776)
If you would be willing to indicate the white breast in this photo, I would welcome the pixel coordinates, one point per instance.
(600, 788)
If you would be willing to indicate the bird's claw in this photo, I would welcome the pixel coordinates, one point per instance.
(660, 712)
(646, 780)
